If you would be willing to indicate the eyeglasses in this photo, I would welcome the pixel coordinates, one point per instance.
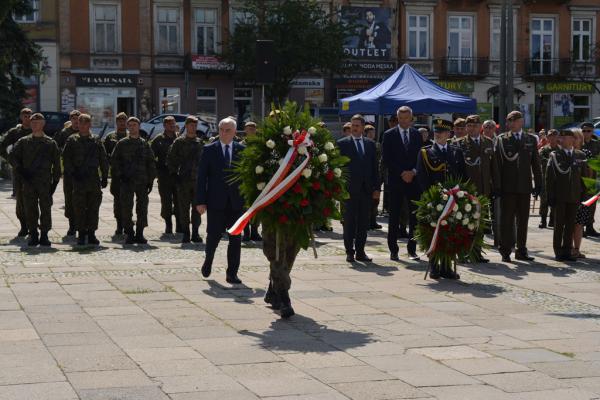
(586, 130)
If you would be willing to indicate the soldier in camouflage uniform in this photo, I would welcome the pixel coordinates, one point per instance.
(133, 166)
(591, 145)
(9, 139)
(37, 162)
(110, 142)
(166, 185)
(61, 139)
(251, 230)
(183, 161)
(83, 156)
(544, 157)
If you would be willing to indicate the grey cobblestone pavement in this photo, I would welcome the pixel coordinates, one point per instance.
(125, 323)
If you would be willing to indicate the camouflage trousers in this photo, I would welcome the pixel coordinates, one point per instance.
(126, 195)
(280, 267)
(68, 191)
(86, 206)
(20, 208)
(185, 198)
(38, 205)
(168, 197)
(115, 190)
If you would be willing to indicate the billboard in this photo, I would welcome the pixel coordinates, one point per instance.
(372, 38)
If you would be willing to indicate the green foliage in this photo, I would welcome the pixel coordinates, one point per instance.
(306, 39)
(593, 184)
(457, 239)
(311, 201)
(19, 56)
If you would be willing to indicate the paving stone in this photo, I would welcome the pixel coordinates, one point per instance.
(522, 381)
(216, 395)
(482, 366)
(467, 392)
(450, 352)
(129, 393)
(108, 379)
(39, 391)
(568, 369)
(530, 355)
(30, 374)
(91, 358)
(348, 374)
(381, 390)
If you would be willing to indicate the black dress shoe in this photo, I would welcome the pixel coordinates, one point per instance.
(92, 239)
(363, 258)
(130, 239)
(71, 231)
(23, 232)
(376, 226)
(186, 237)
(569, 258)
(506, 258)
(272, 298)
(413, 256)
(44, 241)
(81, 239)
(206, 268)
(33, 240)
(286, 309)
(524, 257)
(483, 260)
(559, 258)
(140, 239)
(350, 258)
(233, 279)
(591, 232)
(196, 238)
(542, 224)
(394, 257)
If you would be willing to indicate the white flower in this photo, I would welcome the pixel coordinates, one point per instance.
(439, 207)
(471, 227)
(287, 131)
(455, 208)
(445, 197)
(261, 185)
(458, 215)
(460, 194)
(323, 158)
(329, 146)
(465, 221)
(302, 150)
(433, 224)
(429, 205)
(259, 170)
(307, 172)
(468, 207)
(476, 215)
(312, 130)
(337, 172)
(270, 144)
(444, 222)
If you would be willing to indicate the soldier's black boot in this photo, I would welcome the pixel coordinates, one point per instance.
(434, 270)
(130, 239)
(285, 309)
(44, 241)
(119, 230)
(139, 236)
(168, 227)
(33, 239)
(71, 231)
(81, 238)
(543, 223)
(92, 239)
(23, 232)
(186, 235)
(195, 235)
(272, 298)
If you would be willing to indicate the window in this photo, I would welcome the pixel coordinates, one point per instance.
(242, 104)
(29, 18)
(240, 17)
(206, 104)
(542, 46)
(460, 44)
(105, 28)
(418, 36)
(206, 31)
(169, 100)
(167, 26)
(581, 108)
(582, 38)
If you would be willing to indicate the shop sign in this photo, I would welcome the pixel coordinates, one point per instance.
(564, 87)
(314, 96)
(457, 86)
(308, 83)
(372, 37)
(209, 63)
(369, 66)
(102, 80)
(355, 83)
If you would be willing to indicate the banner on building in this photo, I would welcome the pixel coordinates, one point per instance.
(308, 83)
(209, 63)
(372, 38)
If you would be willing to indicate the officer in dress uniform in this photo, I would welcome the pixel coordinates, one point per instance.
(565, 188)
(436, 164)
(518, 159)
(460, 129)
(552, 144)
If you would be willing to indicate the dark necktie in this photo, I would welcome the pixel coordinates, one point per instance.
(444, 153)
(361, 152)
(227, 156)
(405, 138)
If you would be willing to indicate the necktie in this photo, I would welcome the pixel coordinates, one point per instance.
(227, 155)
(404, 138)
(443, 150)
(477, 141)
(359, 147)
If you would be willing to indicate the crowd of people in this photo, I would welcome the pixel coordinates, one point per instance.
(193, 179)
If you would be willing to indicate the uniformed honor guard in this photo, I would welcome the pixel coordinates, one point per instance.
(436, 164)
(37, 162)
(110, 142)
(518, 159)
(83, 157)
(565, 188)
(552, 145)
(9, 139)
(183, 160)
(459, 129)
(480, 163)
(133, 166)
(167, 189)
(61, 139)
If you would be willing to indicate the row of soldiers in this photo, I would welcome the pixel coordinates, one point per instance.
(87, 161)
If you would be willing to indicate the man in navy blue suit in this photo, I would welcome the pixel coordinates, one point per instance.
(400, 148)
(363, 185)
(220, 197)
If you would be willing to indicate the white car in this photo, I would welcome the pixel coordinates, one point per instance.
(154, 126)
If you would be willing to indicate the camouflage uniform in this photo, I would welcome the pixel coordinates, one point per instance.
(166, 184)
(183, 161)
(83, 156)
(110, 142)
(61, 139)
(9, 139)
(37, 162)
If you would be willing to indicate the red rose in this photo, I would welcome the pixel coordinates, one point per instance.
(329, 175)
(327, 194)
(337, 189)
(304, 202)
(283, 219)
(297, 188)
(286, 204)
(327, 211)
(316, 185)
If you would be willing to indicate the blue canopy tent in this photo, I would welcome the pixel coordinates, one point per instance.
(407, 87)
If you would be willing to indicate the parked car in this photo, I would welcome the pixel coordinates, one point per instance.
(55, 122)
(154, 126)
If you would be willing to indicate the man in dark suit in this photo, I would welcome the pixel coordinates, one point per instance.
(220, 197)
(400, 147)
(363, 185)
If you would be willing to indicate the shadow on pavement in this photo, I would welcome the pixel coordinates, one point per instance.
(480, 290)
(37, 250)
(578, 315)
(308, 337)
(378, 269)
(239, 293)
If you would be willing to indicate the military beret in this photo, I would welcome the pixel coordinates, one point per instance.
(74, 113)
(473, 119)
(26, 111)
(460, 122)
(441, 125)
(514, 115)
(567, 132)
(121, 115)
(190, 119)
(587, 125)
(38, 116)
(133, 119)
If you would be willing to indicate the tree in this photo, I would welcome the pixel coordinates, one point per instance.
(307, 39)
(19, 56)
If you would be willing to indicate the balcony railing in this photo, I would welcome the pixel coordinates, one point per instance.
(464, 66)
